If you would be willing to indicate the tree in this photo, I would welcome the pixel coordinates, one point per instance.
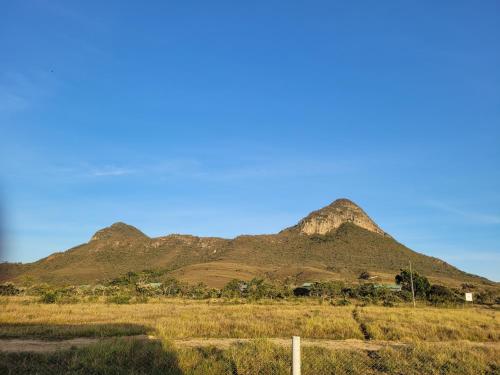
(420, 283)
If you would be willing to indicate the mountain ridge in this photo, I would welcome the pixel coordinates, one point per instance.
(337, 241)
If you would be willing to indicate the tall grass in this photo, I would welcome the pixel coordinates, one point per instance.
(172, 319)
(431, 324)
(257, 357)
(257, 321)
(177, 318)
(180, 318)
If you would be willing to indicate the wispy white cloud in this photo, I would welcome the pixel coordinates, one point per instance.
(272, 169)
(111, 171)
(20, 91)
(469, 215)
(10, 101)
(197, 170)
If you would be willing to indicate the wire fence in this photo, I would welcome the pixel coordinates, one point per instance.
(296, 356)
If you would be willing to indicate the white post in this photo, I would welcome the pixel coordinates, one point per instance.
(295, 355)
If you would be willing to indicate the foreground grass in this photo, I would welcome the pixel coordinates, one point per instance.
(431, 324)
(117, 357)
(181, 318)
(258, 357)
(171, 319)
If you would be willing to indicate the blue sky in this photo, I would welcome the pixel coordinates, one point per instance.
(221, 118)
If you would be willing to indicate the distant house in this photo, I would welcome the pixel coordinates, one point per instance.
(148, 288)
(391, 287)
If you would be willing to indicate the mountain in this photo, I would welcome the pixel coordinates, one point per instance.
(331, 217)
(338, 241)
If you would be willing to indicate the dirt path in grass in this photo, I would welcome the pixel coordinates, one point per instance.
(44, 346)
(362, 326)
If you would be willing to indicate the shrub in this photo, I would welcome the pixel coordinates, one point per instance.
(234, 288)
(366, 291)
(8, 289)
(149, 289)
(39, 289)
(49, 297)
(258, 288)
(327, 289)
(172, 287)
(197, 291)
(440, 294)
(487, 297)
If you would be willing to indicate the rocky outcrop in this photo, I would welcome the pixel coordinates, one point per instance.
(118, 231)
(331, 217)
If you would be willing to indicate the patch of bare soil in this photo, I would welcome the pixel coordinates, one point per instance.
(44, 346)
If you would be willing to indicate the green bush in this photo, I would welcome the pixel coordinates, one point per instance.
(327, 289)
(420, 283)
(439, 294)
(49, 297)
(234, 288)
(487, 297)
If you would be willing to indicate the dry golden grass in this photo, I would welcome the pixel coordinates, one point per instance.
(256, 357)
(431, 324)
(256, 321)
(180, 318)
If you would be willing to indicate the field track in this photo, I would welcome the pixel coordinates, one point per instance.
(45, 346)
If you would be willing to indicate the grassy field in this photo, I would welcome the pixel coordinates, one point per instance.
(438, 340)
(258, 357)
(182, 318)
(431, 324)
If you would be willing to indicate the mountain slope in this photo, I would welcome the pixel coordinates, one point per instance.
(336, 242)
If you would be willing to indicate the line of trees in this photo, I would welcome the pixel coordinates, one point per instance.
(139, 286)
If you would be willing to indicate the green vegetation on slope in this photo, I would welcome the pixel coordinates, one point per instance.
(342, 254)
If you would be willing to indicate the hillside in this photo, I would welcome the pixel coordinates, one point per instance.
(336, 242)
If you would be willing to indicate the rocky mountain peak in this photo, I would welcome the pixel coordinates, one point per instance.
(329, 218)
(118, 230)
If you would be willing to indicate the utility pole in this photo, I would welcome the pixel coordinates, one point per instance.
(412, 289)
